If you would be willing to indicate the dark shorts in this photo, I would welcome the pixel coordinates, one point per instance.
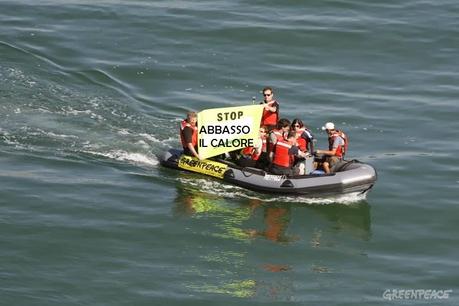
(332, 161)
(187, 151)
(263, 161)
(246, 162)
(284, 170)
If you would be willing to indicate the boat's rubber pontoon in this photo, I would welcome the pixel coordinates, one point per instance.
(349, 176)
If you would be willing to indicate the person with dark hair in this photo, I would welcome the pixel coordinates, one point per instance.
(270, 110)
(281, 130)
(189, 134)
(285, 152)
(305, 139)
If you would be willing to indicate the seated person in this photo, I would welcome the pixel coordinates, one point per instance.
(285, 152)
(337, 146)
(305, 139)
(281, 130)
(189, 134)
(256, 156)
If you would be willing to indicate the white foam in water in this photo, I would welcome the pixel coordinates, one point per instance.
(124, 132)
(69, 111)
(7, 138)
(39, 132)
(226, 190)
(51, 134)
(42, 110)
(149, 137)
(218, 188)
(8, 141)
(121, 155)
(341, 199)
(169, 142)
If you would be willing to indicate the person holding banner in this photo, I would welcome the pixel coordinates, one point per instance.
(271, 109)
(189, 134)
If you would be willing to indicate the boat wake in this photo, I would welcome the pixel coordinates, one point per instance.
(346, 199)
(51, 118)
(120, 155)
(226, 190)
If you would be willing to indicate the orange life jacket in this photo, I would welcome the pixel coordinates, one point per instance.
(340, 150)
(302, 142)
(194, 138)
(252, 152)
(270, 118)
(282, 157)
(279, 135)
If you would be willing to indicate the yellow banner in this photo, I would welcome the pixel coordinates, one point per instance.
(222, 130)
(208, 167)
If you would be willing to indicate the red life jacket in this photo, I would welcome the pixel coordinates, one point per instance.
(340, 150)
(247, 151)
(279, 135)
(194, 138)
(302, 142)
(270, 118)
(282, 157)
(252, 152)
(255, 155)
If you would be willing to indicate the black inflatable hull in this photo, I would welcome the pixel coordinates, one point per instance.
(350, 177)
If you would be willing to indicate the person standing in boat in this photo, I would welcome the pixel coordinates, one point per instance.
(337, 146)
(189, 134)
(271, 109)
(285, 152)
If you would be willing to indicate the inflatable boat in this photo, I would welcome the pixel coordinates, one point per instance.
(349, 176)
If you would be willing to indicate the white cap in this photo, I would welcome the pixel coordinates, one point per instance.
(328, 126)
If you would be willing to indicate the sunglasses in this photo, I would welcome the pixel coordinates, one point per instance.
(267, 95)
(296, 125)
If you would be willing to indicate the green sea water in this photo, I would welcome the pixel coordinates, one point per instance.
(91, 95)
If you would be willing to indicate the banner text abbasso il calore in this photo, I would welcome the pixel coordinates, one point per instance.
(232, 130)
